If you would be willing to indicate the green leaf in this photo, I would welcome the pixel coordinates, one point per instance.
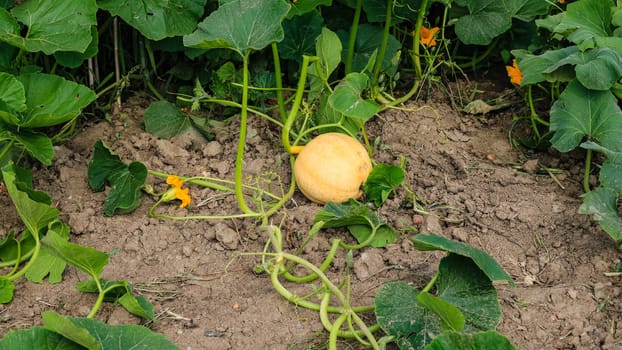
(137, 305)
(121, 292)
(610, 174)
(328, 49)
(460, 283)
(538, 68)
(86, 259)
(53, 25)
(36, 338)
(74, 59)
(63, 325)
(596, 69)
(484, 261)
(157, 19)
(586, 20)
(109, 337)
(366, 47)
(346, 98)
(381, 182)
(489, 340)
(360, 220)
(301, 7)
(164, 120)
(6, 290)
(125, 190)
(103, 165)
(602, 204)
(384, 235)
(463, 284)
(35, 214)
(12, 95)
(37, 144)
(300, 34)
(241, 25)
(126, 181)
(376, 10)
(488, 19)
(47, 264)
(400, 315)
(451, 317)
(581, 113)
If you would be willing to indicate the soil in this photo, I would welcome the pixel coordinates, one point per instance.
(475, 186)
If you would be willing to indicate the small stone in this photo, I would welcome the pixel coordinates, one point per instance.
(227, 237)
(369, 263)
(186, 251)
(212, 149)
(432, 224)
(531, 166)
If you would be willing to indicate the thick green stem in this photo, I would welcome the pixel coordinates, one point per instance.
(312, 276)
(239, 159)
(279, 81)
(431, 283)
(289, 122)
(586, 174)
(352, 39)
(382, 49)
(417, 40)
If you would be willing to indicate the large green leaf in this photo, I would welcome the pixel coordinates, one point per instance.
(610, 174)
(12, 95)
(401, 316)
(489, 340)
(347, 98)
(300, 34)
(89, 260)
(50, 100)
(63, 325)
(484, 261)
(487, 19)
(37, 144)
(102, 166)
(596, 69)
(37, 338)
(74, 59)
(538, 68)
(460, 283)
(34, 213)
(164, 120)
(602, 204)
(580, 113)
(376, 10)
(47, 264)
(157, 19)
(586, 20)
(53, 25)
(241, 25)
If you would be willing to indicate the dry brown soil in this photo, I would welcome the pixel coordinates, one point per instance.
(475, 186)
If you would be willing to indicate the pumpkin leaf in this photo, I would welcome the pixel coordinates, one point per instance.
(347, 99)
(381, 182)
(476, 341)
(240, 25)
(602, 204)
(360, 220)
(581, 113)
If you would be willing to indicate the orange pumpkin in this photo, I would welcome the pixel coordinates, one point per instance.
(331, 168)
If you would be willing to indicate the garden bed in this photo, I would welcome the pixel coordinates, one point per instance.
(474, 186)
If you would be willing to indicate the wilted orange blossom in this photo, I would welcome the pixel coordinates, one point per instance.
(516, 76)
(176, 192)
(428, 36)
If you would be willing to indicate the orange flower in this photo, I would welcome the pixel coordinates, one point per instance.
(516, 76)
(562, 1)
(176, 192)
(427, 36)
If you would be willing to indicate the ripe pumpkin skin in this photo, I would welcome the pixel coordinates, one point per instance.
(331, 168)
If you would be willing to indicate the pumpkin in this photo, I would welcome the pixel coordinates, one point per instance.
(331, 168)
